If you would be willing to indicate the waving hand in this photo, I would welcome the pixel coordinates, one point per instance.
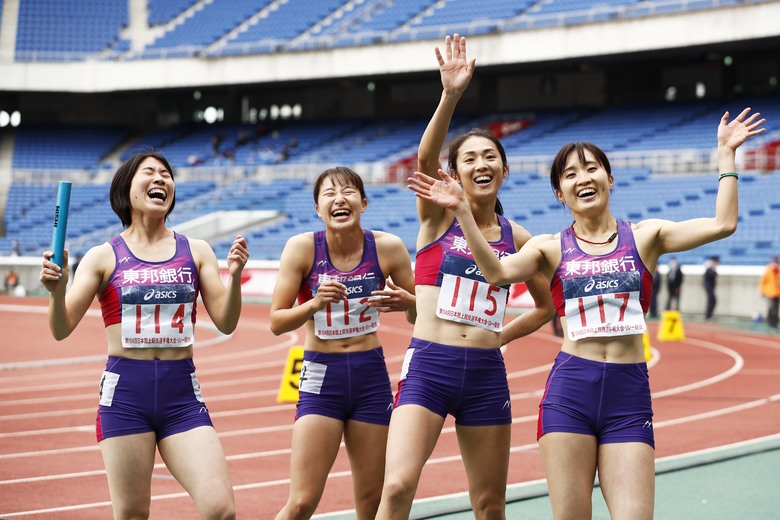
(446, 192)
(456, 70)
(733, 134)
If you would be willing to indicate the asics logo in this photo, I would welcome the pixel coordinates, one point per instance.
(473, 269)
(601, 285)
(160, 295)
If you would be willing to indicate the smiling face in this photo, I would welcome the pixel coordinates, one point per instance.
(581, 177)
(142, 183)
(152, 187)
(584, 184)
(479, 165)
(339, 200)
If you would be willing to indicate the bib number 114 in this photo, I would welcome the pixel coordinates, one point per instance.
(177, 320)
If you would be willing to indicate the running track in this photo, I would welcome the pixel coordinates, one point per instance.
(717, 387)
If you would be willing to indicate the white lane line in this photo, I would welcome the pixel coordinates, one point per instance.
(739, 362)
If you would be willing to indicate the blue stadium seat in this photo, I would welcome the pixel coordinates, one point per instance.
(97, 30)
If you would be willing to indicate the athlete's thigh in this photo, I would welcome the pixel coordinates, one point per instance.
(315, 444)
(205, 476)
(627, 479)
(485, 453)
(413, 433)
(366, 444)
(129, 461)
(570, 469)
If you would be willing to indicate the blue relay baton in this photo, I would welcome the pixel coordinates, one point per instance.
(60, 222)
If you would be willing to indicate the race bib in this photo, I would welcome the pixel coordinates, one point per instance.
(108, 383)
(473, 302)
(604, 305)
(157, 316)
(312, 377)
(350, 317)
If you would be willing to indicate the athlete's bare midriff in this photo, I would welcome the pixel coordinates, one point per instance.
(612, 349)
(430, 327)
(360, 343)
(115, 348)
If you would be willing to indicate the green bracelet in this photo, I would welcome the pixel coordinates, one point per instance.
(728, 174)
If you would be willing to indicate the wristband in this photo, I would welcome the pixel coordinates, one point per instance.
(728, 174)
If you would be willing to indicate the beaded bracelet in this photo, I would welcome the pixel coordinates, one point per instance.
(728, 174)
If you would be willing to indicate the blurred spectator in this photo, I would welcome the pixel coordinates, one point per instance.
(194, 160)
(267, 154)
(16, 250)
(653, 311)
(710, 281)
(216, 141)
(230, 156)
(11, 281)
(770, 289)
(674, 280)
(75, 265)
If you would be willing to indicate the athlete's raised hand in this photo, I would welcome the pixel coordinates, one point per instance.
(238, 255)
(732, 134)
(445, 192)
(456, 71)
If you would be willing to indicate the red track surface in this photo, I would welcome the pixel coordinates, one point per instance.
(716, 387)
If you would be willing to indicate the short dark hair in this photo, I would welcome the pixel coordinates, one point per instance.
(559, 162)
(342, 175)
(119, 193)
(452, 158)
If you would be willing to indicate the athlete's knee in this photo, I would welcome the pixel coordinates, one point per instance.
(398, 490)
(489, 506)
(225, 512)
(301, 507)
(218, 508)
(131, 511)
(367, 503)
